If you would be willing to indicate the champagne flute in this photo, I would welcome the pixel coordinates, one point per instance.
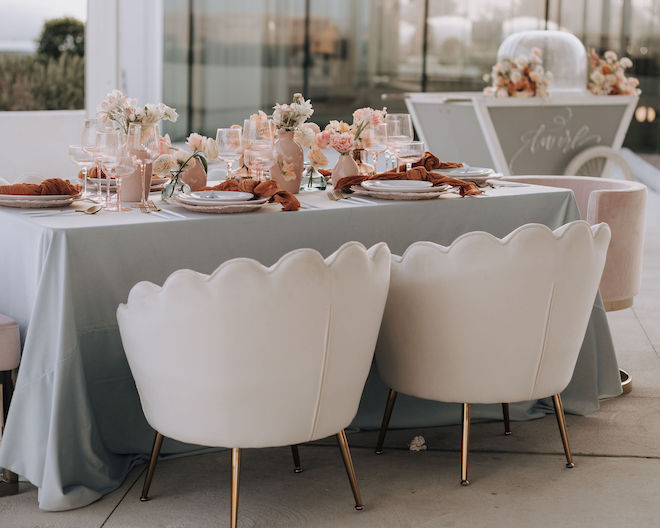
(410, 152)
(399, 130)
(375, 141)
(229, 146)
(143, 143)
(84, 160)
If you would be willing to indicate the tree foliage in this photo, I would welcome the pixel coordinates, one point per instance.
(31, 83)
(62, 35)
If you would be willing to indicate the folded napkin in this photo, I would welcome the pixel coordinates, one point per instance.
(263, 189)
(52, 186)
(91, 173)
(432, 162)
(419, 171)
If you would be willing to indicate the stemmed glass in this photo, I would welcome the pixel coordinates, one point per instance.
(90, 146)
(230, 146)
(109, 152)
(399, 130)
(143, 144)
(84, 160)
(258, 139)
(375, 139)
(258, 160)
(410, 152)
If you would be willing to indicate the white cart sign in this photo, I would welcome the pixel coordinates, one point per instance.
(519, 136)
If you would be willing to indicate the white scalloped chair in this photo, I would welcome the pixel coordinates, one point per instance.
(257, 357)
(488, 320)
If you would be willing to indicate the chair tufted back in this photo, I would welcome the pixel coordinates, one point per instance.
(488, 320)
(251, 356)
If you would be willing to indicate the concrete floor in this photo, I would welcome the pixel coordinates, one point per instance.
(517, 481)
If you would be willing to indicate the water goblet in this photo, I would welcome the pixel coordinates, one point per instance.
(399, 130)
(258, 160)
(84, 160)
(410, 152)
(109, 146)
(230, 147)
(375, 141)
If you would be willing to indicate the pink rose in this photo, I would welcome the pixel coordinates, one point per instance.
(195, 142)
(323, 139)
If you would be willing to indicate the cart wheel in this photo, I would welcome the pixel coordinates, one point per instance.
(593, 161)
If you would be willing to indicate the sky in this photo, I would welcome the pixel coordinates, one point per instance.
(22, 20)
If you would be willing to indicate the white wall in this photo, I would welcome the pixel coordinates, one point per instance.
(38, 142)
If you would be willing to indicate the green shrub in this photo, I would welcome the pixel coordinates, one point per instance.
(40, 83)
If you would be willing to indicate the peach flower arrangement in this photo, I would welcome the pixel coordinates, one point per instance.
(608, 76)
(522, 76)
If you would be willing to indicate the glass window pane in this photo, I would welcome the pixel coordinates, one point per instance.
(42, 55)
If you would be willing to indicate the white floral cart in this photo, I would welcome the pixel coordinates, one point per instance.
(568, 130)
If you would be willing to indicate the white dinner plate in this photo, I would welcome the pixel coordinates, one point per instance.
(398, 185)
(461, 172)
(221, 196)
(189, 199)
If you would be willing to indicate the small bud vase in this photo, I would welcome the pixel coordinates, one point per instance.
(344, 167)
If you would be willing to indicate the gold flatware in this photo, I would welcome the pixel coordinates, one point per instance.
(153, 206)
(337, 195)
(91, 210)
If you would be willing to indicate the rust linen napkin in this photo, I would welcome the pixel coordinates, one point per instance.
(263, 189)
(51, 186)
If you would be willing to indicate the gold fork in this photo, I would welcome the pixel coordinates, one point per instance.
(153, 206)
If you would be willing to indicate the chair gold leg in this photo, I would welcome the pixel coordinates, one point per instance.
(158, 442)
(350, 470)
(297, 467)
(465, 443)
(507, 422)
(391, 398)
(235, 473)
(561, 422)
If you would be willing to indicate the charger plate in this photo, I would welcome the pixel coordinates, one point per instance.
(23, 201)
(392, 195)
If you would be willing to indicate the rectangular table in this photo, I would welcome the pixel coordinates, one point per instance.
(76, 427)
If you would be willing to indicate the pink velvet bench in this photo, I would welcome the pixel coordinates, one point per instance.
(10, 357)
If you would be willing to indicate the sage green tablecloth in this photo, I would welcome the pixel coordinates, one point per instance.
(76, 427)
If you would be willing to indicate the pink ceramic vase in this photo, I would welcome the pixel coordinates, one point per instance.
(194, 175)
(289, 162)
(344, 167)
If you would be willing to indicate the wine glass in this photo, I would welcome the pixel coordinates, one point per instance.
(90, 146)
(124, 167)
(143, 143)
(108, 151)
(374, 139)
(399, 130)
(258, 159)
(229, 146)
(84, 160)
(258, 132)
(410, 152)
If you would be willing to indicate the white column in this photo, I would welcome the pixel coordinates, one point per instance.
(101, 51)
(124, 50)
